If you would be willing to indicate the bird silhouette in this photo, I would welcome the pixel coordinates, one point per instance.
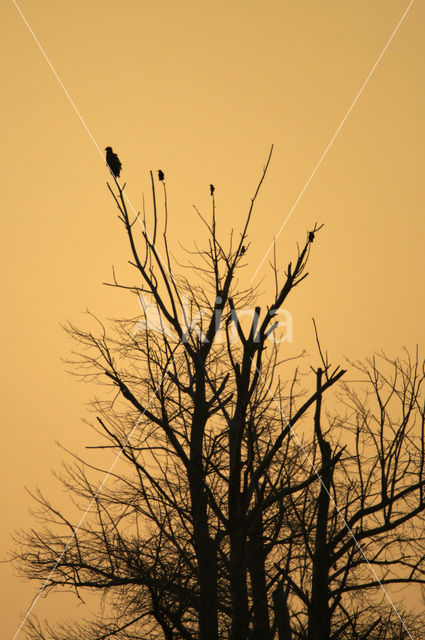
(212, 189)
(161, 175)
(311, 236)
(113, 162)
(243, 249)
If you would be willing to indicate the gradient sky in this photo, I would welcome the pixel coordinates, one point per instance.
(200, 90)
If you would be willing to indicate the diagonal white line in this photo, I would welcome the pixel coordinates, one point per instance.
(150, 400)
(307, 457)
(46, 57)
(268, 389)
(34, 602)
(58, 79)
(332, 139)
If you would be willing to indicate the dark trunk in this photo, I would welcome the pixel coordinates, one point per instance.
(205, 548)
(256, 567)
(281, 613)
(237, 535)
(319, 617)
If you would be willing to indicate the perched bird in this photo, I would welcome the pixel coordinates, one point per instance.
(243, 249)
(311, 236)
(212, 189)
(113, 162)
(161, 175)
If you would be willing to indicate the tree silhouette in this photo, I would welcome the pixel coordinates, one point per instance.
(236, 510)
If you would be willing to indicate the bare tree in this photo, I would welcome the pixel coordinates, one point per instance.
(363, 526)
(215, 523)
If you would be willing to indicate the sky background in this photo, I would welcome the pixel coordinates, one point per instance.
(200, 90)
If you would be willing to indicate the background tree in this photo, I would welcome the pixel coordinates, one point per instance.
(363, 528)
(215, 523)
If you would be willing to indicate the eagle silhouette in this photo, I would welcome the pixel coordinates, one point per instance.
(113, 162)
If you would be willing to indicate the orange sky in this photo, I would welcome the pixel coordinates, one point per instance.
(201, 90)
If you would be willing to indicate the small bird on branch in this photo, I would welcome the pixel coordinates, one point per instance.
(243, 249)
(212, 189)
(113, 162)
(311, 236)
(161, 175)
